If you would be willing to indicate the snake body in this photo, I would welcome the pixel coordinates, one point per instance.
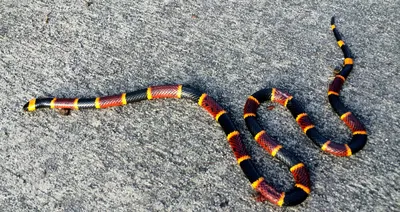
(266, 192)
(301, 189)
(358, 130)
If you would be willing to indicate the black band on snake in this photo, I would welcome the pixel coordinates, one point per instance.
(359, 132)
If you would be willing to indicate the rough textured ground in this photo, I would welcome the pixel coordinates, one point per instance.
(170, 155)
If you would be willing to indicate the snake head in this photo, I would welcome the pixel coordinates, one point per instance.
(30, 106)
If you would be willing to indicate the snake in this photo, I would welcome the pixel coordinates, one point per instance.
(302, 186)
(359, 133)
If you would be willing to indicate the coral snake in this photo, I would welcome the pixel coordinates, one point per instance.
(301, 189)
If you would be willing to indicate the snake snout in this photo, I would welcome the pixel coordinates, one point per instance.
(25, 108)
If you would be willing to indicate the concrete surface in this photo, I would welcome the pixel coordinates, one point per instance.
(170, 155)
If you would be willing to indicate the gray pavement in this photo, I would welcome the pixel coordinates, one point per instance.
(170, 155)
